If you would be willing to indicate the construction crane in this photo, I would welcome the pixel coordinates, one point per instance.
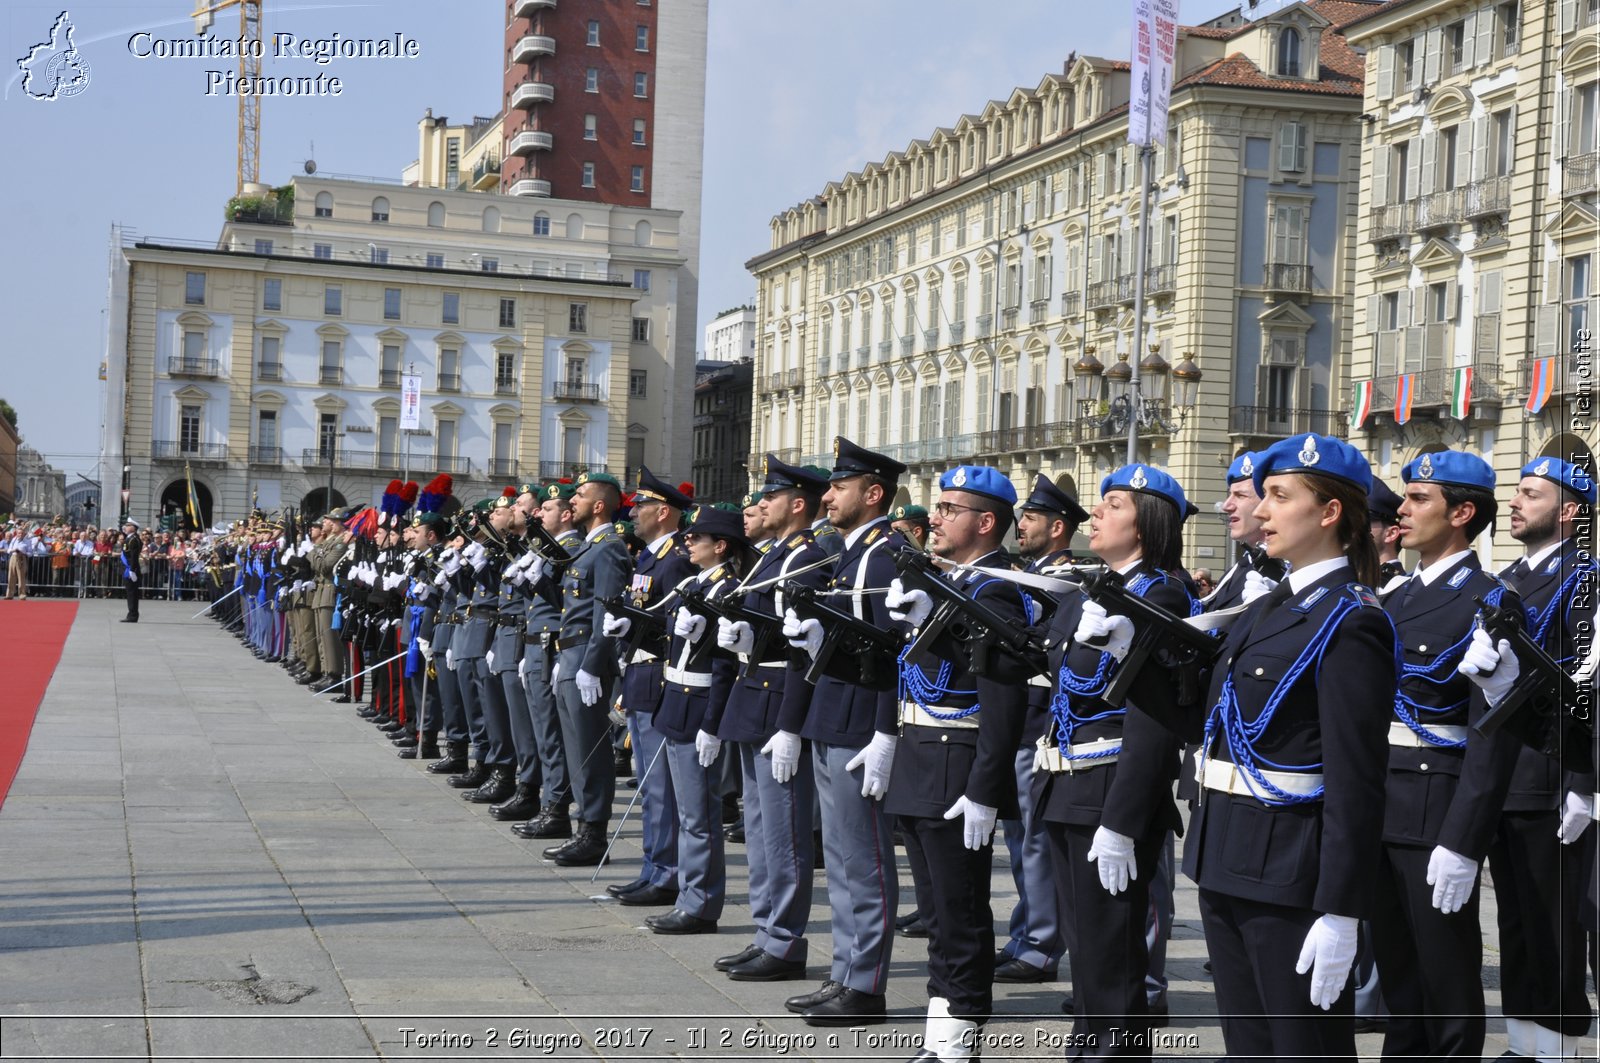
(250, 51)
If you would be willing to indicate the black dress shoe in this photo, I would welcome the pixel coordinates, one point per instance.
(1022, 972)
(342, 699)
(391, 725)
(1370, 1024)
(735, 833)
(127, 620)
(768, 968)
(404, 740)
(680, 922)
(366, 712)
(500, 785)
(806, 1001)
(651, 897)
(1068, 1005)
(622, 762)
(913, 916)
(522, 804)
(472, 779)
(915, 929)
(848, 1007)
(744, 955)
(617, 889)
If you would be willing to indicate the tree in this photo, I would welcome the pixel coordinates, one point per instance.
(8, 413)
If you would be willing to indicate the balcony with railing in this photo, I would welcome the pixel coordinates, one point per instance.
(1490, 195)
(1104, 294)
(863, 355)
(532, 46)
(555, 470)
(339, 459)
(1277, 421)
(825, 365)
(183, 450)
(1432, 387)
(531, 92)
(1008, 318)
(930, 338)
(453, 464)
(1026, 438)
(266, 455)
(1105, 426)
(958, 331)
(527, 8)
(1038, 311)
(528, 141)
(1286, 277)
(503, 467)
(178, 365)
(388, 378)
(530, 186)
(1574, 373)
(1160, 280)
(330, 375)
(449, 382)
(485, 175)
(1071, 303)
(908, 344)
(1388, 222)
(985, 325)
(574, 391)
(885, 349)
(269, 370)
(791, 378)
(505, 387)
(1437, 210)
(1578, 174)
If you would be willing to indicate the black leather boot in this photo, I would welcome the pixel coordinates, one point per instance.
(500, 784)
(552, 822)
(586, 849)
(472, 779)
(427, 749)
(522, 804)
(454, 762)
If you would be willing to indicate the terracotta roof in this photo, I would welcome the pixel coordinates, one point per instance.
(1215, 33)
(1343, 12)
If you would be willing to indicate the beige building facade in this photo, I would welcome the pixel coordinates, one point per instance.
(1479, 233)
(971, 297)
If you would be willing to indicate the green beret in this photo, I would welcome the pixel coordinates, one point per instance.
(918, 513)
(557, 490)
(624, 527)
(818, 470)
(598, 478)
(438, 524)
(750, 499)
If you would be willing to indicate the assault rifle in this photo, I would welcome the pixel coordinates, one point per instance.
(766, 629)
(1272, 568)
(1542, 709)
(852, 649)
(976, 627)
(1187, 647)
(648, 625)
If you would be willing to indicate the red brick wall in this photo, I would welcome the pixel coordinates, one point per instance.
(614, 106)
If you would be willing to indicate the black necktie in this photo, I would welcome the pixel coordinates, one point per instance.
(1519, 570)
(1274, 598)
(1404, 596)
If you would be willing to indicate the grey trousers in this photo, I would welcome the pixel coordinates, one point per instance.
(702, 865)
(584, 729)
(497, 748)
(863, 883)
(778, 828)
(472, 704)
(1035, 928)
(557, 789)
(658, 819)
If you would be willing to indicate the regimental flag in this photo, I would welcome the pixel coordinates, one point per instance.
(1405, 393)
(1461, 393)
(1363, 404)
(194, 499)
(1541, 383)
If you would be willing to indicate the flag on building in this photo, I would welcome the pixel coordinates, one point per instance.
(1363, 404)
(1405, 392)
(1461, 393)
(194, 500)
(1541, 383)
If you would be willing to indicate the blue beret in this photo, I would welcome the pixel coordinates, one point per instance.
(1317, 455)
(1574, 478)
(1151, 481)
(653, 487)
(1048, 498)
(1450, 467)
(1243, 468)
(1382, 503)
(980, 480)
(781, 476)
(852, 460)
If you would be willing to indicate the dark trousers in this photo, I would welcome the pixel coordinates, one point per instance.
(1430, 963)
(1110, 956)
(1264, 1005)
(960, 923)
(131, 589)
(1538, 884)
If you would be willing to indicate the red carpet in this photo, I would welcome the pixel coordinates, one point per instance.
(32, 634)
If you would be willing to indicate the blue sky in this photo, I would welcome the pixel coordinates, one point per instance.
(797, 93)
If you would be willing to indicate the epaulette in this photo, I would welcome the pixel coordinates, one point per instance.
(798, 541)
(1364, 596)
(717, 576)
(873, 535)
(1460, 576)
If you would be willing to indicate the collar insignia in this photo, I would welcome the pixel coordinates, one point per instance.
(1460, 576)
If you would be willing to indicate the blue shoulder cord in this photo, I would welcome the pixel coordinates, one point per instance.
(1242, 736)
(1540, 620)
(916, 687)
(1070, 685)
(1438, 673)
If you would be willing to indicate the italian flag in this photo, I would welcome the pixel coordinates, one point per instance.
(1363, 404)
(1461, 393)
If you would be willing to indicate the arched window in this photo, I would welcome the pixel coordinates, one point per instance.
(1289, 52)
(491, 219)
(436, 215)
(324, 205)
(380, 208)
(641, 234)
(541, 224)
(574, 226)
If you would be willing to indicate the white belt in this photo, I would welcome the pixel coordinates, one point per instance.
(1041, 681)
(678, 677)
(1402, 735)
(744, 659)
(912, 713)
(1052, 759)
(1226, 777)
(641, 656)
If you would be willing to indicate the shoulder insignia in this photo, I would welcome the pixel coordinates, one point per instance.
(1364, 595)
(1316, 596)
(666, 547)
(797, 542)
(1460, 576)
(1555, 563)
(872, 536)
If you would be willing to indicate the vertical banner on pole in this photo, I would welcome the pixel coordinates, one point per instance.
(410, 403)
(1155, 44)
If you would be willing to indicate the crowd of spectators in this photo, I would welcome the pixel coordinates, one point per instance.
(61, 560)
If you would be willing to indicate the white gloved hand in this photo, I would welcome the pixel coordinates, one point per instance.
(736, 636)
(802, 634)
(1483, 657)
(688, 625)
(1096, 623)
(707, 747)
(488, 660)
(1255, 586)
(449, 564)
(588, 687)
(1328, 953)
(1112, 853)
(1576, 812)
(615, 627)
(978, 827)
(1039, 758)
(876, 760)
(522, 670)
(1452, 877)
(555, 674)
(473, 552)
(911, 607)
(539, 570)
(784, 749)
(449, 660)
(425, 648)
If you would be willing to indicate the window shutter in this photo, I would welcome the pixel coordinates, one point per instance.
(1386, 362)
(1419, 305)
(1469, 37)
(1569, 15)
(1372, 313)
(1552, 281)
(1386, 73)
(1483, 27)
(1452, 300)
(1463, 153)
(1413, 162)
(1478, 139)
(1546, 329)
(1430, 162)
(1511, 143)
(1412, 358)
(1286, 148)
(1489, 292)
(1434, 43)
(1380, 175)
(1564, 106)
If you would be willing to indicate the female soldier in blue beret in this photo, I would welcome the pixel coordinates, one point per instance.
(1103, 776)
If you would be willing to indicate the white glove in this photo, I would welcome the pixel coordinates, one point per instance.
(514, 574)
(1482, 657)
(784, 749)
(449, 564)
(1452, 877)
(488, 660)
(1113, 855)
(1576, 813)
(425, 648)
(555, 674)
(1328, 953)
(449, 660)
(588, 687)
(1096, 623)
(1040, 760)
(802, 634)
(978, 827)
(707, 747)
(1256, 585)
(473, 552)
(522, 670)
(688, 625)
(438, 581)
(539, 570)
(876, 760)
(735, 636)
(615, 626)
(909, 607)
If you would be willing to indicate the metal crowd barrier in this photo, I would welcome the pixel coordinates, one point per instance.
(100, 576)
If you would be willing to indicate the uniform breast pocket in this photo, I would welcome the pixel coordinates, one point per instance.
(1423, 644)
(1275, 847)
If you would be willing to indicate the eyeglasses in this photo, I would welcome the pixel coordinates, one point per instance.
(950, 510)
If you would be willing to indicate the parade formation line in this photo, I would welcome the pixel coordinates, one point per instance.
(33, 634)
